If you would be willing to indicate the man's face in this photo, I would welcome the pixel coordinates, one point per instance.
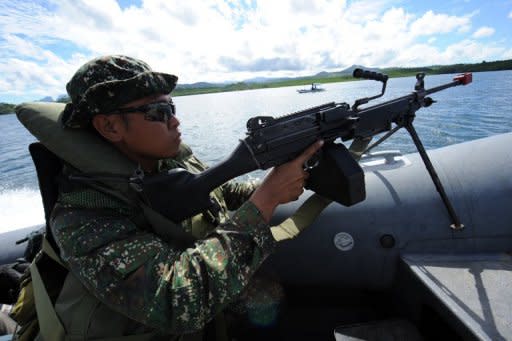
(148, 139)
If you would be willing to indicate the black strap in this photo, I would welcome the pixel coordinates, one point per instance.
(48, 167)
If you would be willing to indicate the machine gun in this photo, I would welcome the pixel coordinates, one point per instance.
(271, 141)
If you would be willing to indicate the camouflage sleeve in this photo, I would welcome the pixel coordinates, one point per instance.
(138, 274)
(236, 193)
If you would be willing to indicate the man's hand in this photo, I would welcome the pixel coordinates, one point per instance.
(283, 184)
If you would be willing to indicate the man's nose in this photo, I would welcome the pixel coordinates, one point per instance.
(173, 122)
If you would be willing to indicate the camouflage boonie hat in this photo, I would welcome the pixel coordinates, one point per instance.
(106, 83)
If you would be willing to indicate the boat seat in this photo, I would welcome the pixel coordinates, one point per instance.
(386, 330)
(473, 288)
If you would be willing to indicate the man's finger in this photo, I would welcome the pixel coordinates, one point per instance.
(308, 153)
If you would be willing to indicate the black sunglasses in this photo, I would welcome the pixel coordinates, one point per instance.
(159, 111)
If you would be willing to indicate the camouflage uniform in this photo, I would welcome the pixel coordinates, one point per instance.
(132, 271)
(151, 280)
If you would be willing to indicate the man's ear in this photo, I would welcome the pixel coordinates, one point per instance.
(110, 127)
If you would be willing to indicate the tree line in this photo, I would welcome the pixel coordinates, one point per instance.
(7, 108)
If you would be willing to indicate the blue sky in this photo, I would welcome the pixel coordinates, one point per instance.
(42, 43)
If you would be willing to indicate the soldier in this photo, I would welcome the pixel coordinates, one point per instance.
(124, 278)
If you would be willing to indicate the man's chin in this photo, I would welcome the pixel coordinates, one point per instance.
(174, 152)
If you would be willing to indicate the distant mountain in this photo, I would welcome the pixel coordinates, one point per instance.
(198, 85)
(324, 74)
(46, 99)
(266, 79)
(262, 80)
(350, 70)
(63, 99)
(345, 72)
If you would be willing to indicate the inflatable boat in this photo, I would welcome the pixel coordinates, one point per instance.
(392, 267)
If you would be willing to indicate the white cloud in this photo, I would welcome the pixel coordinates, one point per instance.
(483, 32)
(510, 15)
(432, 23)
(216, 40)
(471, 50)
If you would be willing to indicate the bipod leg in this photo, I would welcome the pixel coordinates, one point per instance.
(456, 224)
(383, 138)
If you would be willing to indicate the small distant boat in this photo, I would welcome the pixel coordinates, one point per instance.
(315, 87)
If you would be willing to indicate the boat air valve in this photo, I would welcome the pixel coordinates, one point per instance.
(387, 241)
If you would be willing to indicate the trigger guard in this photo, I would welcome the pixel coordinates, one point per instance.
(315, 160)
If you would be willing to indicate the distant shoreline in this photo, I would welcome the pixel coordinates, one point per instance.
(324, 77)
(336, 77)
(6, 112)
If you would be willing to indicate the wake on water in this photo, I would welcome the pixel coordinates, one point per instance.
(20, 208)
(23, 207)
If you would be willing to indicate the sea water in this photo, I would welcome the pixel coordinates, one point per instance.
(212, 124)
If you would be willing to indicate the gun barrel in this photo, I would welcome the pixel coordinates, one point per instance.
(463, 79)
